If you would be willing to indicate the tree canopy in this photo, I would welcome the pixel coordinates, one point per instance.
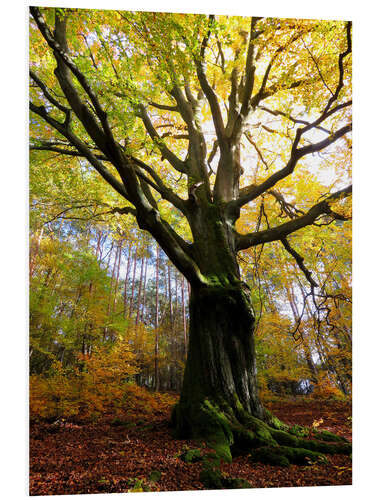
(136, 95)
(228, 140)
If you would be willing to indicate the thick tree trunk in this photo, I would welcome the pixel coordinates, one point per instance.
(219, 401)
(221, 356)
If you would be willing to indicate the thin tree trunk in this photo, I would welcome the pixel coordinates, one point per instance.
(133, 283)
(139, 292)
(34, 251)
(109, 256)
(128, 265)
(117, 275)
(97, 250)
(156, 367)
(144, 294)
(184, 314)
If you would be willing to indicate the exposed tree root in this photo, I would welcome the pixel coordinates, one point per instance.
(235, 432)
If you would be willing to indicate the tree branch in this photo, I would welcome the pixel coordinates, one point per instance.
(167, 194)
(167, 153)
(342, 56)
(60, 49)
(282, 231)
(60, 150)
(294, 120)
(249, 72)
(48, 94)
(254, 191)
(82, 148)
(208, 90)
(299, 259)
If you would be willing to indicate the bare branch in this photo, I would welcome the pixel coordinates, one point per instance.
(249, 71)
(294, 120)
(164, 107)
(299, 259)
(342, 56)
(63, 151)
(253, 143)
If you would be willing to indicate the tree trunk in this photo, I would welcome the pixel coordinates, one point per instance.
(219, 400)
(156, 362)
(184, 314)
(139, 292)
(220, 365)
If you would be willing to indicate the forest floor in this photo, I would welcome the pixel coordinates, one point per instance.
(140, 455)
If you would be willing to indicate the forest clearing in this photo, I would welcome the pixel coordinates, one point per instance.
(190, 252)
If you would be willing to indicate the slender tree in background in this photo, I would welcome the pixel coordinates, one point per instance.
(156, 372)
(133, 282)
(144, 293)
(139, 291)
(127, 278)
(210, 82)
(183, 313)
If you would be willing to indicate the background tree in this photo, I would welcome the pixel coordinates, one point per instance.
(203, 75)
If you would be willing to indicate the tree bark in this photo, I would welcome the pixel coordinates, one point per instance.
(184, 314)
(127, 278)
(156, 365)
(220, 364)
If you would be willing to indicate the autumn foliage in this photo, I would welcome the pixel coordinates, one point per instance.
(160, 145)
(100, 384)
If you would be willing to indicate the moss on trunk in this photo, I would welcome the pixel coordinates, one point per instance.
(219, 402)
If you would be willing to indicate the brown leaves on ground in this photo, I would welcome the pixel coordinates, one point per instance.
(113, 456)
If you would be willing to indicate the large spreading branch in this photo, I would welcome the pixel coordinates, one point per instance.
(57, 42)
(281, 232)
(252, 192)
(176, 163)
(132, 187)
(300, 262)
(81, 148)
(208, 90)
(139, 182)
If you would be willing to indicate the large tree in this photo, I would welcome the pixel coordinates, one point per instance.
(164, 108)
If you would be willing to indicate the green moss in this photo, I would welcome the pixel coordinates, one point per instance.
(284, 438)
(212, 479)
(244, 441)
(191, 456)
(235, 483)
(274, 422)
(301, 456)
(218, 430)
(285, 455)
(269, 455)
(323, 447)
(262, 432)
(299, 431)
(329, 436)
(155, 476)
